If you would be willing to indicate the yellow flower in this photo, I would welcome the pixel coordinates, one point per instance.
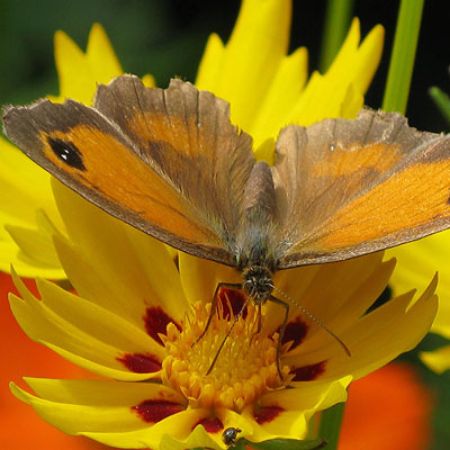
(417, 262)
(137, 317)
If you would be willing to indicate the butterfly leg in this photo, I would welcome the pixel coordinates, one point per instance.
(259, 324)
(282, 329)
(236, 318)
(214, 304)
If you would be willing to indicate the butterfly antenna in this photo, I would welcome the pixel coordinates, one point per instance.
(314, 319)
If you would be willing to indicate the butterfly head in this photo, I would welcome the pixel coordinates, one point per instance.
(258, 283)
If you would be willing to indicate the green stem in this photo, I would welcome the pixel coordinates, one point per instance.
(330, 425)
(403, 55)
(442, 101)
(337, 21)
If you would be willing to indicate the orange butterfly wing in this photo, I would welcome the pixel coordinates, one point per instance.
(168, 162)
(347, 188)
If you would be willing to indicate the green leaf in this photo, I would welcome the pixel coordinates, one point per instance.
(330, 425)
(282, 444)
(403, 56)
(442, 101)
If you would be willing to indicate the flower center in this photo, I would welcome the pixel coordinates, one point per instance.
(223, 368)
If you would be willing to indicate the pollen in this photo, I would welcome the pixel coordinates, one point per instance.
(211, 375)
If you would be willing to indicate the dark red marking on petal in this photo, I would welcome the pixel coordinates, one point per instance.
(296, 331)
(153, 411)
(235, 298)
(140, 362)
(211, 424)
(309, 373)
(264, 414)
(156, 321)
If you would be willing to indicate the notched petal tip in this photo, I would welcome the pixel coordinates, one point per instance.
(20, 393)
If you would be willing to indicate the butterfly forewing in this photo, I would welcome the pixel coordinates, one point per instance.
(354, 187)
(182, 188)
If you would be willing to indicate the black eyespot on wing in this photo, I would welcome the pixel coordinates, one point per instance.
(67, 152)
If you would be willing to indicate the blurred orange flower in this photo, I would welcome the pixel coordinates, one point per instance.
(390, 409)
(22, 428)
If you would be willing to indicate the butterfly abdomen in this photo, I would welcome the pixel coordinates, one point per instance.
(259, 194)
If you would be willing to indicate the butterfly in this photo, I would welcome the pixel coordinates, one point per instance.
(170, 163)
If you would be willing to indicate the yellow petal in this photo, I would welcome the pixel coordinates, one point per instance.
(243, 72)
(80, 406)
(20, 216)
(437, 360)
(362, 59)
(417, 263)
(97, 322)
(200, 438)
(368, 58)
(404, 323)
(95, 341)
(274, 110)
(100, 392)
(101, 57)
(106, 249)
(11, 255)
(35, 245)
(331, 94)
(266, 91)
(351, 284)
(149, 80)
(297, 405)
(78, 72)
(178, 426)
(201, 277)
(210, 65)
(74, 75)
